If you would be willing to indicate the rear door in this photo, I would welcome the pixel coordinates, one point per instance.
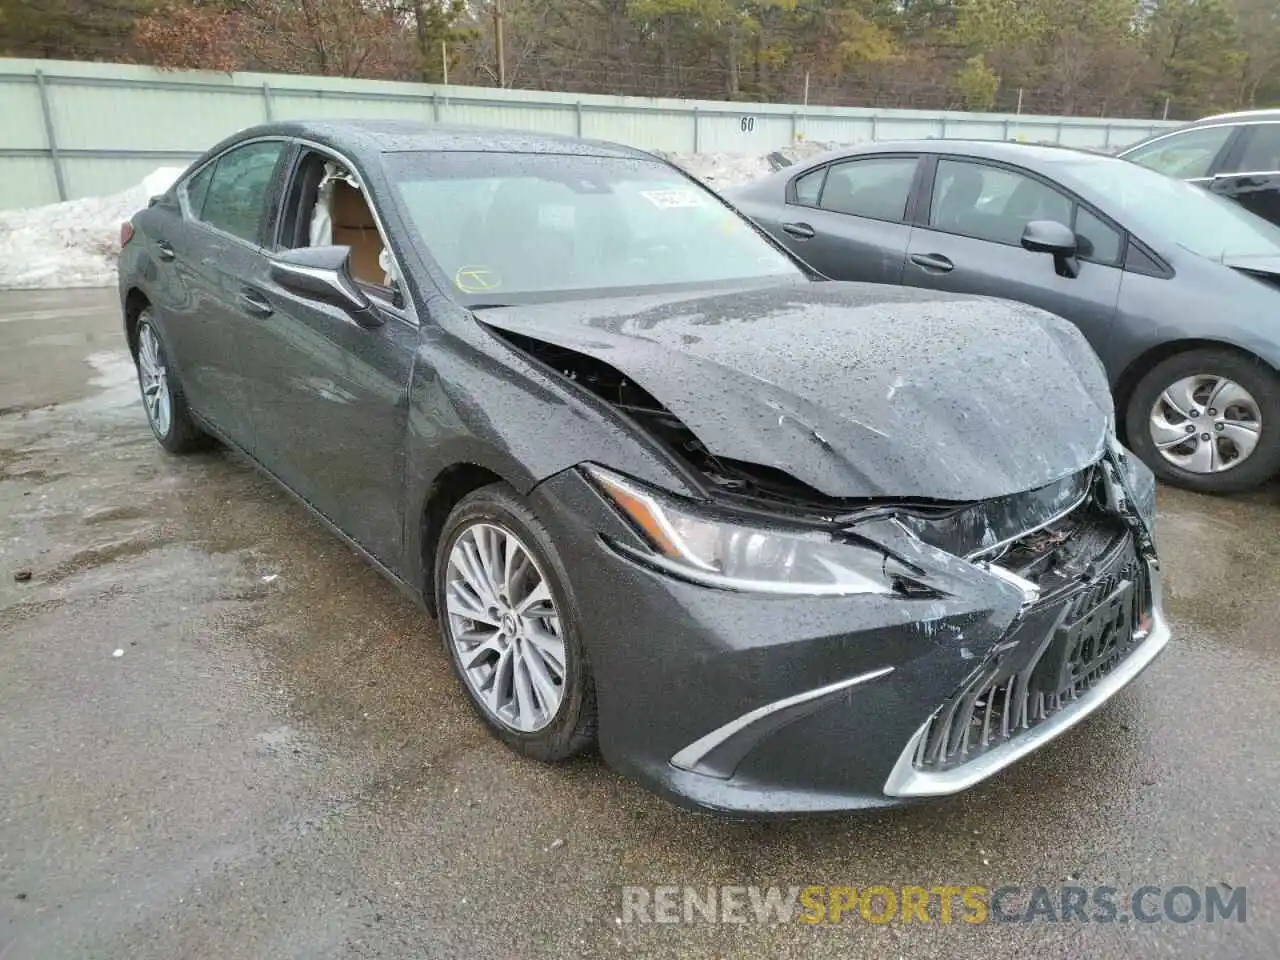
(1250, 174)
(205, 265)
(332, 397)
(848, 219)
(967, 239)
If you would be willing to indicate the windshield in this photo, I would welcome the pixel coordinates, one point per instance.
(1175, 211)
(507, 227)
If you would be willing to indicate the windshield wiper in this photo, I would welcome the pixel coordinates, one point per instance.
(487, 306)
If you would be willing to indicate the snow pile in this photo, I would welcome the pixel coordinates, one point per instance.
(72, 244)
(719, 170)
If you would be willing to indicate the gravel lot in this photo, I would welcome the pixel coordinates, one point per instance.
(278, 763)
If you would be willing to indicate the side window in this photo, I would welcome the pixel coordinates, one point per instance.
(991, 203)
(1188, 155)
(1098, 241)
(809, 186)
(1261, 150)
(196, 189)
(238, 191)
(875, 187)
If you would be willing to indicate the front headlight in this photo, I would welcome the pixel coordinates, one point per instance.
(738, 556)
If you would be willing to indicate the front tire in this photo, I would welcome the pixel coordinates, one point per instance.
(510, 625)
(166, 407)
(1207, 420)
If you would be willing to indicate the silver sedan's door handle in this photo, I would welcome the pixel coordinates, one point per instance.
(933, 262)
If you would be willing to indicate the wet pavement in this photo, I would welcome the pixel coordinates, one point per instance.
(277, 762)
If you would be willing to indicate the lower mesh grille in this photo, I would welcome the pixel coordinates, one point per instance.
(1055, 651)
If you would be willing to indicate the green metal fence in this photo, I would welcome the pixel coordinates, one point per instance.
(70, 130)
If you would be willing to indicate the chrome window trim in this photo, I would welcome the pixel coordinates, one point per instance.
(1183, 130)
(905, 780)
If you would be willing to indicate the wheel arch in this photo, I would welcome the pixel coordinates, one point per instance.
(135, 301)
(1137, 368)
(444, 493)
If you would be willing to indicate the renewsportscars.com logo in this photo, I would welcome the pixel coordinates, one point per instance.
(970, 904)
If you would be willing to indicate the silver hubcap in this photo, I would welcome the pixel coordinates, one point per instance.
(505, 628)
(155, 381)
(1206, 424)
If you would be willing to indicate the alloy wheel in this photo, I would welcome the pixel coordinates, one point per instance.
(504, 627)
(1206, 424)
(155, 381)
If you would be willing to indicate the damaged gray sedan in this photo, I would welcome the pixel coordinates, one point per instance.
(776, 544)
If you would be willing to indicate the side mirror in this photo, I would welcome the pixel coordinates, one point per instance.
(1049, 236)
(322, 274)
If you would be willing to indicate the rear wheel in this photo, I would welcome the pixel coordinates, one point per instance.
(1207, 420)
(510, 624)
(167, 410)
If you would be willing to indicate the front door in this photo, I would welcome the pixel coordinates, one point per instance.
(331, 402)
(971, 244)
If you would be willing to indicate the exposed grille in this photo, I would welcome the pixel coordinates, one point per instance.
(1053, 653)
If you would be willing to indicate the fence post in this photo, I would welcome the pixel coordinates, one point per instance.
(1106, 135)
(1059, 140)
(577, 108)
(695, 129)
(266, 103)
(1006, 128)
(794, 127)
(51, 136)
(942, 128)
(435, 106)
(874, 134)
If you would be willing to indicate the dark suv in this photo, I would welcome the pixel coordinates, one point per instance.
(1236, 155)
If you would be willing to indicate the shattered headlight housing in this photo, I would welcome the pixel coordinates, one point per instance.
(738, 555)
(1138, 479)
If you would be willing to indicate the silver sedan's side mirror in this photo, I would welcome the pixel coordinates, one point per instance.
(1049, 236)
(323, 274)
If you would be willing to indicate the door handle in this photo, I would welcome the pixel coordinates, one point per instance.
(801, 231)
(934, 262)
(164, 251)
(254, 304)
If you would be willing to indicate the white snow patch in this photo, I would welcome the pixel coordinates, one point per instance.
(72, 244)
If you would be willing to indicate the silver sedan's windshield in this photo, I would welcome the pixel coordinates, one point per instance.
(505, 225)
(1177, 212)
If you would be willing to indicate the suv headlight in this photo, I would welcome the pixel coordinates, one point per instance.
(739, 556)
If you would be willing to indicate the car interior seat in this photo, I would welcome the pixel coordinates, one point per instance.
(354, 227)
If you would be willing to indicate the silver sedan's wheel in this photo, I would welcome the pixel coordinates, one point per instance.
(1206, 424)
(505, 628)
(154, 379)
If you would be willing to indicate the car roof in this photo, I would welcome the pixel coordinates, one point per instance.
(1033, 156)
(1240, 116)
(368, 137)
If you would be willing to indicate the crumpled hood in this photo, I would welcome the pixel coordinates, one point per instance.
(857, 390)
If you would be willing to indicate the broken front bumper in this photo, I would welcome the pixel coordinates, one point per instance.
(753, 705)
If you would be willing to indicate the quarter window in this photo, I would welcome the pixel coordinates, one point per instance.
(196, 189)
(809, 187)
(1261, 150)
(237, 192)
(1188, 155)
(991, 203)
(876, 188)
(1098, 241)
